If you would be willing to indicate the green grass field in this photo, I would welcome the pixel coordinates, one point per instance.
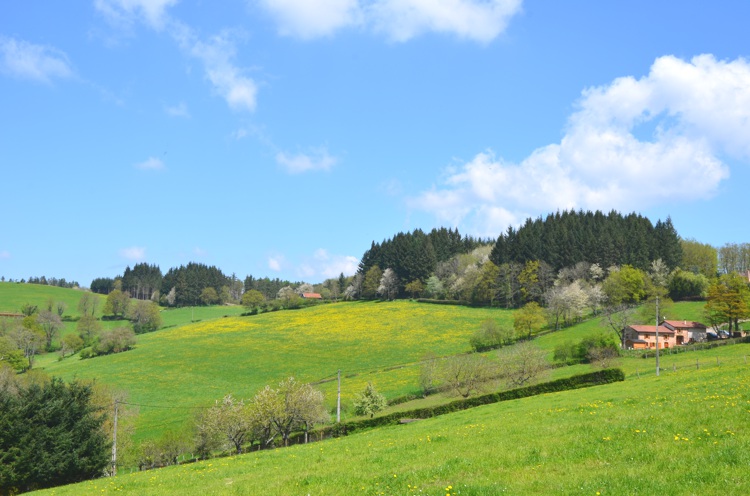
(682, 433)
(13, 295)
(174, 370)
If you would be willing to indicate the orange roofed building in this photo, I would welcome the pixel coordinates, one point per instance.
(643, 337)
(686, 331)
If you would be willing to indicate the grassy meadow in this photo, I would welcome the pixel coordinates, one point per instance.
(681, 433)
(13, 295)
(175, 370)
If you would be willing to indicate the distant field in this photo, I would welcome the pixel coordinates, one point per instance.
(683, 433)
(13, 295)
(176, 369)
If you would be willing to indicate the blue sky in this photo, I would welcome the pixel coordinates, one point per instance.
(280, 137)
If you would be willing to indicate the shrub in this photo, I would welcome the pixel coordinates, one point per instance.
(115, 341)
(490, 336)
(575, 382)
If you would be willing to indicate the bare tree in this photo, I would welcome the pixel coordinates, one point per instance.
(88, 303)
(27, 341)
(617, 317)
(466, 374)
(428, 374)
(602, 356)
(523, 364)
(51, 324)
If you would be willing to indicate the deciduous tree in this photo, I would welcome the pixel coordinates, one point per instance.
(117, 303)
(88, 328)
(529, 319)
(145, 316)
(388, 287)
(523, 364)
(466, 374)
(253, 299)
(51, 323)
(369, 402)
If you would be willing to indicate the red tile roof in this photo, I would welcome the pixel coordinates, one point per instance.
(684, 324)
(315, 296)
(649, 329)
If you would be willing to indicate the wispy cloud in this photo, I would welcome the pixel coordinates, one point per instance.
(179, 110)
(329, 266)
(134, 253)
(216, 53)
(313, 18)
(317, 159)
(480, 21)
(398, 20)
(700, 110)
(275, 262)
(35, 62)
(150, 164)
(124, 13)
(4, 255)
(217, 56)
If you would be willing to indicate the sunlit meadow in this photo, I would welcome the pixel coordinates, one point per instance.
(683, 433)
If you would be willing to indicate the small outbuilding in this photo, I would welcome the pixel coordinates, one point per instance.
(312, 296)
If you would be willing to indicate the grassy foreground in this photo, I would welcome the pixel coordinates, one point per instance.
(685, 433)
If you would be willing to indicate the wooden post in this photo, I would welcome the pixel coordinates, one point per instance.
(114, 441)
(338, 400)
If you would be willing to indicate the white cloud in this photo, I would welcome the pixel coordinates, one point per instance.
(217, 54)
(399, 20)
(134, 253)
(199, 252)
(326, 265)
(124, 12)
(312, 18)
(480, 21)
(150, 163)
(239, 134)
(275, 263)
(4, 255)
(36, 62)
(317, 159)
(179, 110)
(338, 264)
(700, 111)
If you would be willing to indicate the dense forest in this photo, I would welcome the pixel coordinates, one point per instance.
(566, 238)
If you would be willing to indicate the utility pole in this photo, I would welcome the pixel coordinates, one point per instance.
(338, 400)
(657, 336)
(114, 441)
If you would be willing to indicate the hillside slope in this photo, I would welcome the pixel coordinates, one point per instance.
(686, 433)
(173, 371)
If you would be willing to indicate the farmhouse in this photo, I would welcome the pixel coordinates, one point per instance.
(686, 331)
(643, 337)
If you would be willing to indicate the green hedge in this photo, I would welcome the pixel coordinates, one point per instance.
(575, 382)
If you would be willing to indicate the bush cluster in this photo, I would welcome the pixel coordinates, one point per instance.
(575, 382)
